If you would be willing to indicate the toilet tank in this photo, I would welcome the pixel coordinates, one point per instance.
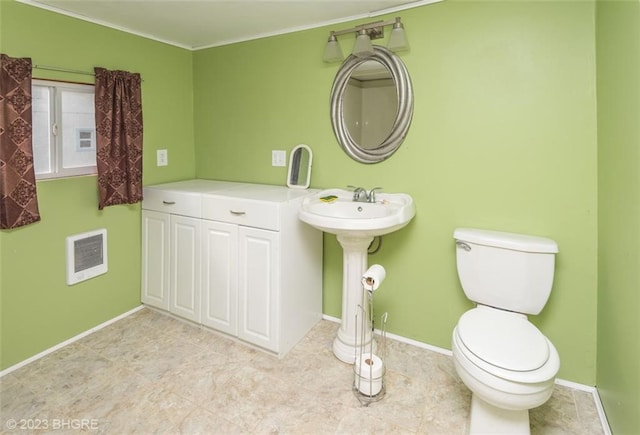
(505, 270)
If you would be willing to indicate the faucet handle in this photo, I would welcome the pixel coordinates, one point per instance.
(372, 194)
(359, 193)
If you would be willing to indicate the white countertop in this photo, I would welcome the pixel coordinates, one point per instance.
(195, 185)
(258, 192)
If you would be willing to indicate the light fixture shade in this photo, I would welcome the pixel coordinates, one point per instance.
(332, 52)
(398, 39)
(363, 47)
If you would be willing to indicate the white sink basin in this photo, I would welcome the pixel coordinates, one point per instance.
(343, 216)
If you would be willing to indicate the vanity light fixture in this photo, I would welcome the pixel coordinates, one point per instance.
(363, 46)
(398, 38)
(365, 33)
(332, 52)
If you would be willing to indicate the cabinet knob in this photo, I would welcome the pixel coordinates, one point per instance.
(237, 213)
(168, 202)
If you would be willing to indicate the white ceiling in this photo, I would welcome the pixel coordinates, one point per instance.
(195, 24)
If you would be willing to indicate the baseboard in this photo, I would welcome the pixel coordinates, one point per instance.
(67, 342)
(603, 417)
(574, 385)
(596, 399)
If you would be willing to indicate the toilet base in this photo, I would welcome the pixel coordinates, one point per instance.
(488, 419)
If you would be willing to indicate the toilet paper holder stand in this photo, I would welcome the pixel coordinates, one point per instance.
(369, 368)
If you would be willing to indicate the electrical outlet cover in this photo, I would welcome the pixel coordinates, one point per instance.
(162, 158)
(278, 158)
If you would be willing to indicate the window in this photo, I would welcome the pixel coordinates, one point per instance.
(64, 132)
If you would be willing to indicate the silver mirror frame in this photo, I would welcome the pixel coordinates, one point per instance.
(296, 168)
(404, 114)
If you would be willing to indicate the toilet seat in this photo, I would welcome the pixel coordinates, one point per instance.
(507, 345)
(503, 339)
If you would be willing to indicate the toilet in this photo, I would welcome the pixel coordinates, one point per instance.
(506, 362)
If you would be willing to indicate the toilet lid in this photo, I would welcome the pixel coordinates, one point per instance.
(503, 339)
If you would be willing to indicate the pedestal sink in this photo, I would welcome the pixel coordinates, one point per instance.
(355, 224)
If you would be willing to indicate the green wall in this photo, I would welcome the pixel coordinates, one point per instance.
(38, 309)
(503, 137)
(618, 50)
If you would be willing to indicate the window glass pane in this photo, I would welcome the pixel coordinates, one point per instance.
(41, 104)
(63, 129)
(78, 129)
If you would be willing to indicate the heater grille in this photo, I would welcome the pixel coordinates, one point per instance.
(86, 256)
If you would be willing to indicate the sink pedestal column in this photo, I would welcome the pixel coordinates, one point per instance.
(354, 266)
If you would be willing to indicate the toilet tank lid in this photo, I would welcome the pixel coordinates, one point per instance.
(499, 239)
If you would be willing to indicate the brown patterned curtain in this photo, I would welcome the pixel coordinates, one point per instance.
(18, 199)
(118, 99)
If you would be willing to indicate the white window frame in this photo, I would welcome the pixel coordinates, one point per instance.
(56, 127)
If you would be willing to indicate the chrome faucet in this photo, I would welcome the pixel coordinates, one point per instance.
(360, 194)
(372, 194)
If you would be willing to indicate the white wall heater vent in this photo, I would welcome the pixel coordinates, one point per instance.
(86, 256)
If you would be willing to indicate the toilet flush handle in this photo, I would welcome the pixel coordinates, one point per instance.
(463, 245)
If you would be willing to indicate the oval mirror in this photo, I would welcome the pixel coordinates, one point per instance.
(371, 105)
(299, 174)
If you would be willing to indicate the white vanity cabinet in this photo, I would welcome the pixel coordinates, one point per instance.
(155, 259)
(171, 238)
(233, 257)
(261, 318)
(171, 263)
(219, 308)
(240, 291)
(269, 289)
(184, 267)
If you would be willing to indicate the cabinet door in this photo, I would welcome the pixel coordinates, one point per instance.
(220, 276)
(155, 259)
(185, 267)
(258, 287)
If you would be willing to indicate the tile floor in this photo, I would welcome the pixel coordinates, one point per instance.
(150, 373)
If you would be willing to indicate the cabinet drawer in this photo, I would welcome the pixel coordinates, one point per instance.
(251, 213)
(175, 202)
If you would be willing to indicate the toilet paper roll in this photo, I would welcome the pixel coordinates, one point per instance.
(369, 371)
(373, 277)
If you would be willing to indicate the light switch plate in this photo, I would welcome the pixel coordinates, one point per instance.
(162, 157)
(278, 158)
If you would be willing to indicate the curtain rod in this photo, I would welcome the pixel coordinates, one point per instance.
(55, 68)
(67, 70)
